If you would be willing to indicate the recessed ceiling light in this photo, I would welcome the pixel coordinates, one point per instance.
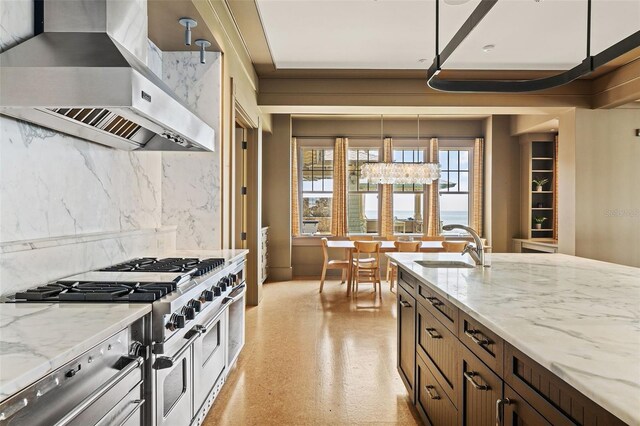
(553, 130)
(422, 60)
(456, 2)
(488, 47)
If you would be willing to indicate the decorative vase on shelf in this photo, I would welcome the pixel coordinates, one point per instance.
(539, 188)
(538, 226)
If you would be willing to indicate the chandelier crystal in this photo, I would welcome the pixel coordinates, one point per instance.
(400, 173)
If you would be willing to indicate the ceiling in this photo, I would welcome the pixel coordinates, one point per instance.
(400, 34)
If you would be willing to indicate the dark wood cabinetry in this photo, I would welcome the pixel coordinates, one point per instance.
(407, 339)
(459, 372)
(481, 389)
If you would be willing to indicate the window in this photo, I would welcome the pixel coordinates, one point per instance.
(454, 185)
(408, 199)
(362, 198)
(317, 190)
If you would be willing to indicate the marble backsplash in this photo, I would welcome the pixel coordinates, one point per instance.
(68, 205)
(191, 191)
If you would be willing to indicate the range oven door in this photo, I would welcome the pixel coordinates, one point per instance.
(174, 386)
(209, 354)
(235, 336)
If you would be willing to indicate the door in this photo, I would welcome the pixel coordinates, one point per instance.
(240, 218)
(407, 339)
(481, 389)
(174, 391)
(209, 355)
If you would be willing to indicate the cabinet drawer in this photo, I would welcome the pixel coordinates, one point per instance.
(481, 388)
(407, 281)
(443, 310)
(482, 342)
(517, 412)
(439, 348)
(434, 406)
(557, 401)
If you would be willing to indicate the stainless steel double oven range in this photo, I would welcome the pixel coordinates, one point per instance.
(195, 334)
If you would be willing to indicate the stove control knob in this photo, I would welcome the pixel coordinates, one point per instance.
(222, 285)
(217, 291)
(195, 304)
(176, 321)
(189, 312)
(207, 296)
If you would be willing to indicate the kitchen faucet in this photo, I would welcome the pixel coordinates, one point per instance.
(477, 252)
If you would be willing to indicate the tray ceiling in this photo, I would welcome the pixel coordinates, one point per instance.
(400, 34)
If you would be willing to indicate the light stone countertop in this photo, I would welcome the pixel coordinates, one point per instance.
(577, 317)
(37, 338)
(228, 255)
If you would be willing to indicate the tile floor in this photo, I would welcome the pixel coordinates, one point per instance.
(313, 359)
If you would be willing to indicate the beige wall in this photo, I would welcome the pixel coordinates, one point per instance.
(276, 196)
(607, 193)
(395, 127)
(239, 87)
(502, 184)
(567, 183)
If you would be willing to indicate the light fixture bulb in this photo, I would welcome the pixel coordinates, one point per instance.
(488, 47)
(456, 2)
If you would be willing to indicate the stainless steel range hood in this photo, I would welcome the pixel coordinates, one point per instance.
(87, 84)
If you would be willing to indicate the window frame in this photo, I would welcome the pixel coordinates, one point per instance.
(460, 145)
(310, 143)
(367, 144)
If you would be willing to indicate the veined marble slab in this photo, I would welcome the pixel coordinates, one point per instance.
(577, 317)
(37, 338)
(229, 255)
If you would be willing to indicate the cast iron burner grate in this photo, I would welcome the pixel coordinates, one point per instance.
(92, 291)
(170, 264)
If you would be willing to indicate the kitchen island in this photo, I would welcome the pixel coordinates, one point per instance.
(562, 329)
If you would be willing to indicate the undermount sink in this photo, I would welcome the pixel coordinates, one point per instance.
(444, 264)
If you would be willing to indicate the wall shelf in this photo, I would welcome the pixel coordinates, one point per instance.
(537, 159)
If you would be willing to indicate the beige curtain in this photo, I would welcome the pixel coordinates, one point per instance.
(386, 216)
(295, 204)
(555, 191)
(339, 202)
(477, 213)
(433, 219)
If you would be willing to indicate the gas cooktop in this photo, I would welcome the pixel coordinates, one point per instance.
(144, 279)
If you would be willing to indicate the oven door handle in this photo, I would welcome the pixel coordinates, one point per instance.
(163, 362)
(233, 298)
(100, 392)
(204, 328)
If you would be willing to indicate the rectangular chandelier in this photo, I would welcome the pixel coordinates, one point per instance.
(400, 173)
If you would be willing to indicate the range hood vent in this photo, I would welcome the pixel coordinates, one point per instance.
(83, 82)
(102, 119)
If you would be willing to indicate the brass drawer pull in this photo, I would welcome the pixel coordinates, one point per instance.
(469, 375)
(499, 416)
(431, 391)
(434, 301)
(472, 335)
(433, 333)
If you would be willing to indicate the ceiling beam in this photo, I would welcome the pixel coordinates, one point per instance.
(618, 87)
(378, 92)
